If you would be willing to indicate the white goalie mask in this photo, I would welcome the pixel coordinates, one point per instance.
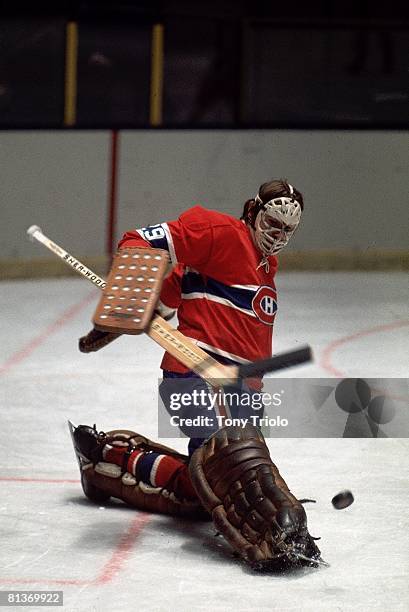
(276, 222)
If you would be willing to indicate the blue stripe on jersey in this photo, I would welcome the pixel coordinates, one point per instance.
(170, 374)
(192, 282)
(144, 467)
(155, 235)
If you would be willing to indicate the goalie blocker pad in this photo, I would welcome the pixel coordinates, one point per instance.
(132, 291)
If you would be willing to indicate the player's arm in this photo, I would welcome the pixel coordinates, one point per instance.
(188, 240)
(171, 293)
(170, 298)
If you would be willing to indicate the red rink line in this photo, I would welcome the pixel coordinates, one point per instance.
(123, 549)
(332, 346)
(30, 347)
(46, 480)
(325, 361)
(111, 568)
(127, 541)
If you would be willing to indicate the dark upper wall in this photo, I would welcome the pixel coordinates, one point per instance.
(226, 64)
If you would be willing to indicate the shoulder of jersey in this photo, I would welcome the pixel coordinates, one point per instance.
(205, 216)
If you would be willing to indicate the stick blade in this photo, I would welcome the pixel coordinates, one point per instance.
(278, 362)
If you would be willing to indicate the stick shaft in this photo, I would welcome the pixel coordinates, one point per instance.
(159, 330)
(278, 362)
(69, 259)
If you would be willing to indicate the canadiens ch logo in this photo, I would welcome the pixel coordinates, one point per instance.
(264, 304)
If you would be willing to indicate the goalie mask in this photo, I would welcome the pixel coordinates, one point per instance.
(275, 222)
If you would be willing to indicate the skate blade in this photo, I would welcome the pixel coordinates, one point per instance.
(81, 459)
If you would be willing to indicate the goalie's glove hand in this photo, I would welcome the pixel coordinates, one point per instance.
(96, 340)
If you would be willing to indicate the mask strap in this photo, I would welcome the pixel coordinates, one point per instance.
(260, 202)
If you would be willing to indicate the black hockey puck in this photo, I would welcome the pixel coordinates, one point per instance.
(342, 500)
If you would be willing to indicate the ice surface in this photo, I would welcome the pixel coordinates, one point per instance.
(114, 558)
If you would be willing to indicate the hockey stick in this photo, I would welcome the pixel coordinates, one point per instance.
(173, 341)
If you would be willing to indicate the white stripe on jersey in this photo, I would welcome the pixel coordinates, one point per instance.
(214, 298)
(171, 246)
(248, 287)
(154, 469)
(168, 237)
(134, 461)
(254, 288)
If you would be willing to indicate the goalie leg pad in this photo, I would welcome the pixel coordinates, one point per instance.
(109, 467)
(250, 503)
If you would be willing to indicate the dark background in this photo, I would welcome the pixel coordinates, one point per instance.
(227, 64)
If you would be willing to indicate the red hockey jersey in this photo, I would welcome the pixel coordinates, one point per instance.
(225, 304)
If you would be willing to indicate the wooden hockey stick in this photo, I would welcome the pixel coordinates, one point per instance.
(173, 341)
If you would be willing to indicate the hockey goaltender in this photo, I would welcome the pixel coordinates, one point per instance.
(222, 287)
